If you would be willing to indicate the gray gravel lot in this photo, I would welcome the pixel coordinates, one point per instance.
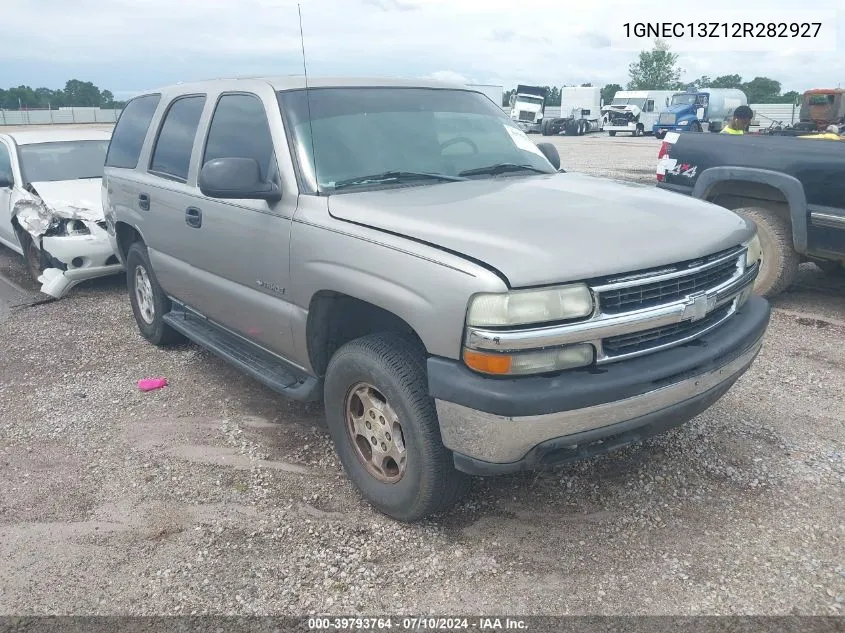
(214, 495)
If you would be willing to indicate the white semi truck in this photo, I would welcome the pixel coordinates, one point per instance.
(580, 112)
(635, 111)
(527, 107)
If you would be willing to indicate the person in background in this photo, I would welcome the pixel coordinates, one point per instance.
(740, 121)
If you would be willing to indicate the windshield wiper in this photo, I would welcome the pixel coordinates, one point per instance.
(394, 176)
(500, 168)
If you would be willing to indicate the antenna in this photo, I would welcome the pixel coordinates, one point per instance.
(308, 101)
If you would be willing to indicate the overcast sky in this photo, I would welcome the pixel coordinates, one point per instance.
(128, 46)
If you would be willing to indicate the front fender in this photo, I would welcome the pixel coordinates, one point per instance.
(790, 187)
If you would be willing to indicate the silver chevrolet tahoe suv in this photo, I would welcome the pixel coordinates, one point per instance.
(403, 252)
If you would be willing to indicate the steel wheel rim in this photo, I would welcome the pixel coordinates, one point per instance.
(375, 433)
(144, 295)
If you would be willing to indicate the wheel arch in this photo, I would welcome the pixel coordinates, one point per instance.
(335, 318)
(760, 187)
(125, 235)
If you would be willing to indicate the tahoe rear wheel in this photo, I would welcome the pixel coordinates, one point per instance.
(384, 427)
(780, 261)
(149, 303)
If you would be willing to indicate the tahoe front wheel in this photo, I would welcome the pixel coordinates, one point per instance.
(384, 427)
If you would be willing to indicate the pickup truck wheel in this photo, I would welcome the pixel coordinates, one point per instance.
(385, 430)
(780, 261)
(612, 133)
(149, 303)
(660, 134)
(639, 131)
(695, 127)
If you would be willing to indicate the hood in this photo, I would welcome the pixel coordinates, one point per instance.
(538, 230)
(681, 108)
(80, 199)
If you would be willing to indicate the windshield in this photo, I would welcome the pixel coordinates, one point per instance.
(623, 101)
(527, 99)
(821, 99)
(358, 132)
(62, 160)
(684, 99)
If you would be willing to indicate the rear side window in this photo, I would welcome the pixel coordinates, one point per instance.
(239, 129)
(130, 132)
(172, 153)
(5, 162)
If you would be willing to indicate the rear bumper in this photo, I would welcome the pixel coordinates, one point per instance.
(496, 426)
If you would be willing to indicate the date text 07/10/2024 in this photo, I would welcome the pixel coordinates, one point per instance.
(493, 624)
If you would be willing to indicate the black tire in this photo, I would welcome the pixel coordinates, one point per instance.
(831, 268)
(695, 127)
(547, 128)
(780, 260)
(155, 330)
(660, 134)
(639, 131)
(33, 259)
(612, 133)
(396, 368)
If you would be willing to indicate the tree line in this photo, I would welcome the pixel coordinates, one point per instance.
(658, 69)
(76, 93)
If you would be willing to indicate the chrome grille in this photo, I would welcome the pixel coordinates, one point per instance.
(648, 295)
(626, 344)
(667, 118)
(525, 115)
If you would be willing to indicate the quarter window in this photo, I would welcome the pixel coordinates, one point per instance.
(130, 132)
(5, 162)
(239, 129)
(172, 153)
(649, 105)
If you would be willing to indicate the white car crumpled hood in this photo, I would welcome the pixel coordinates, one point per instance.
(41, 206)
(65, 199)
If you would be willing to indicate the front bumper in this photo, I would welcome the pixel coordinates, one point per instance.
(497, 426)
(529, 127)
(628, 127)
(81, 257)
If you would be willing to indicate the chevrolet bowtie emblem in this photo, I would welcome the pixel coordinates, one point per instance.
(698, 306)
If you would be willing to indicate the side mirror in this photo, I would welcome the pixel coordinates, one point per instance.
(551, 153)
(236, 178)
(6, 180)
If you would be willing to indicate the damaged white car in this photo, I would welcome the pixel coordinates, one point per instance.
(50, 205)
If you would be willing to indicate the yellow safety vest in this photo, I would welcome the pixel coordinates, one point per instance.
(827, 136)
(729, 130)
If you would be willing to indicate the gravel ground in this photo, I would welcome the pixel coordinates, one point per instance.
(214, 495)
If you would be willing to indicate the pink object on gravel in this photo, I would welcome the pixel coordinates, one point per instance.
(149, 384)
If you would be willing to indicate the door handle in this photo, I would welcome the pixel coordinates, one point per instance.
(143, 202)
(193, 217)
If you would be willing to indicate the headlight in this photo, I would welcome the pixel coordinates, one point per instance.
(76, 227)
(534, 362)
(523, 307)
(684, 123)
(755, 251)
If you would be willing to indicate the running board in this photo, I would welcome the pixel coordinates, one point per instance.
(265, 367)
